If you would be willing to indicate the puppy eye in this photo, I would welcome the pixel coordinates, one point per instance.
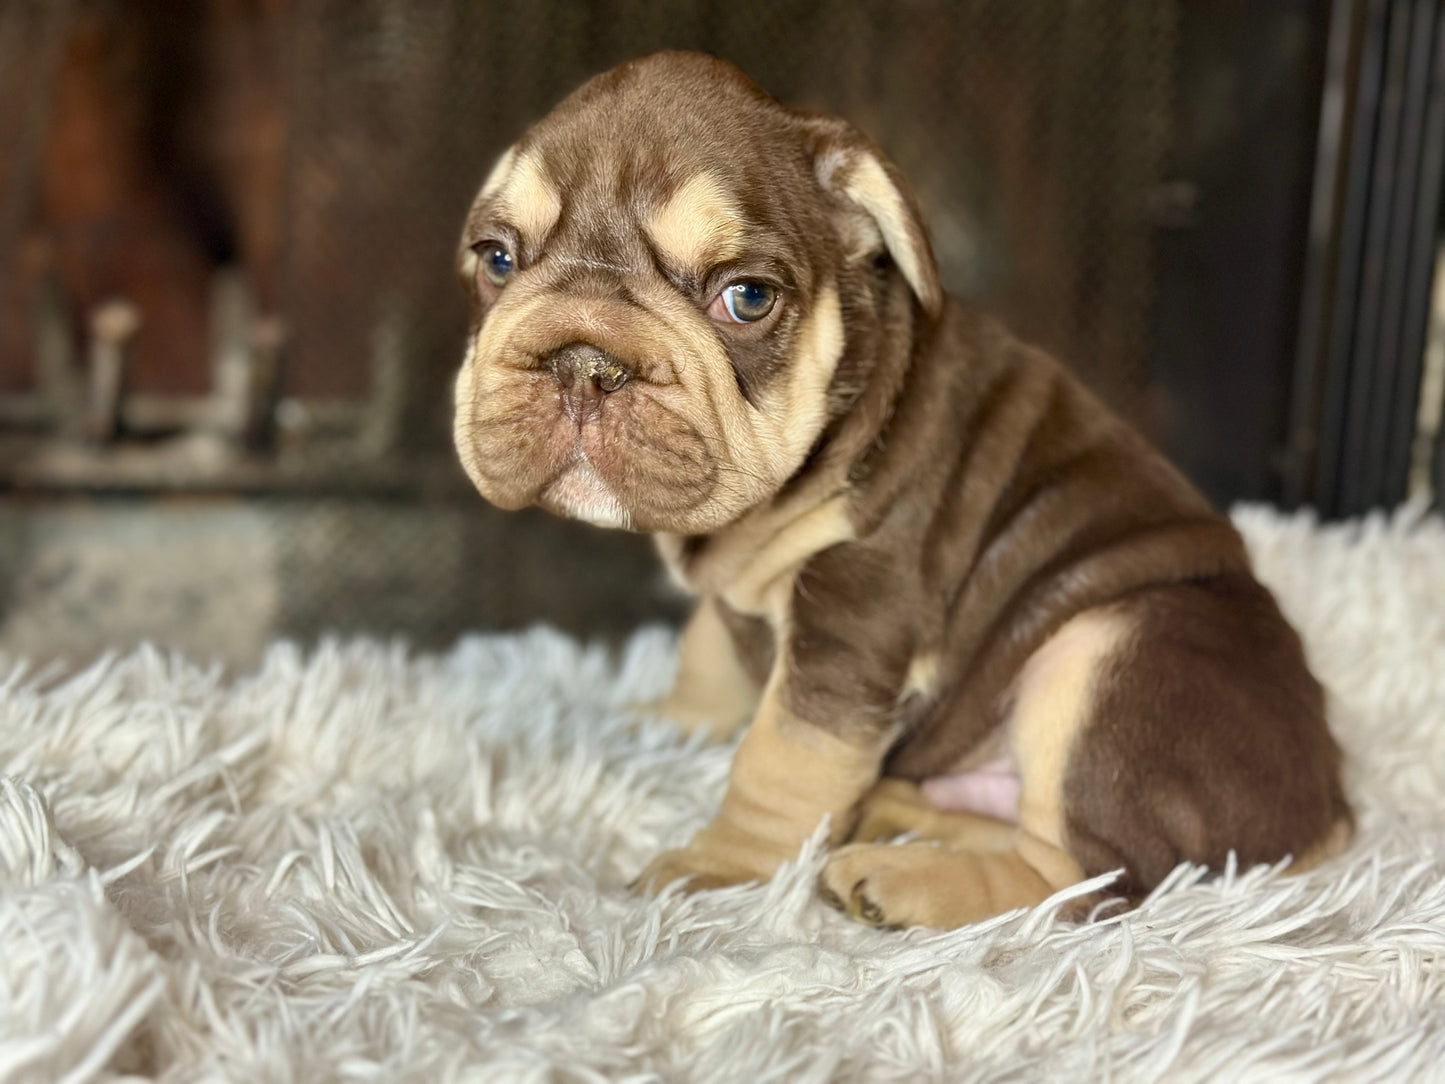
(744, 303)
(496, 263)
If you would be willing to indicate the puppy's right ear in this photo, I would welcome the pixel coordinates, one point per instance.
(466, 256)
(855, 172)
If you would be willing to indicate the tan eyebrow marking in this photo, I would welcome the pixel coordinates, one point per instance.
(699, 225)
(499, 173)
(529, 198)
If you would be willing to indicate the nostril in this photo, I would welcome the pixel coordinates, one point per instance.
(582, 363)
(611, 376)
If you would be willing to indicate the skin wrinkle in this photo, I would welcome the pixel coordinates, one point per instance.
(894, 510)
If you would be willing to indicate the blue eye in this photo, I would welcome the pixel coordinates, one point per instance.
(748, 302)
(496, 263)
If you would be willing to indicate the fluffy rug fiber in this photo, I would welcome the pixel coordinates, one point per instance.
(359, 864)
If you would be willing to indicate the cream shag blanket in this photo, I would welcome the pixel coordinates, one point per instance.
(366, 865)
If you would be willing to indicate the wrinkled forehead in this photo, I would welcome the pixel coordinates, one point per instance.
(687, 180)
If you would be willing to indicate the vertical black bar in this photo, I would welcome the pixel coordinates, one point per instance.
(1363, 359)
(1389, 385)
(1330, 180)
(1338, 384)
(1420, 279)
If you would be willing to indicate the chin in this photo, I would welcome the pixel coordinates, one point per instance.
(581, 493)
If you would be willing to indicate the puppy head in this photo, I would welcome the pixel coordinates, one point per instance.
(677, 284)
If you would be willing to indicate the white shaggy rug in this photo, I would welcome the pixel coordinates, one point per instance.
(364, 865)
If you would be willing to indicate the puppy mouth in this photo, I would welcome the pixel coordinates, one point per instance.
(635, 464)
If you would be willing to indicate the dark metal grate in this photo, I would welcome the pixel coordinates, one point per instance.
(1365, 308)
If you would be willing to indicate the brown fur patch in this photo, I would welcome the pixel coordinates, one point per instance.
(1206, 737)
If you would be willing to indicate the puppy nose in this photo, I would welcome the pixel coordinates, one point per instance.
(587, 375)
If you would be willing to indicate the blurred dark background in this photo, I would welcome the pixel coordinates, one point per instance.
(229, 322)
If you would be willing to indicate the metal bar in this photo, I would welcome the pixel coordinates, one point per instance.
(1338, 383)
(1420, 276)
(1330, 179)
(1389, 386)
(1364, 360)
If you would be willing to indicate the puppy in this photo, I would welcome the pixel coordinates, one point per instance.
(946, 591)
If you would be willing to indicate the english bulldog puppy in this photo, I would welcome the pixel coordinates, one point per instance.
(946, 591)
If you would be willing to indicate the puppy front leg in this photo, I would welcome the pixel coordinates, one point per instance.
(787, 776)
(713, 692)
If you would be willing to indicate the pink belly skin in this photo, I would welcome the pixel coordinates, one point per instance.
(991, 790)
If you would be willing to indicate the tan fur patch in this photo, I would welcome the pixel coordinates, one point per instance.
(924, 884)
(922, 676)
(1334, 843)
(529, 198)
(713, 694)
(779, 436)
(796, 421)
(498, 174)
(464, 400)
(698, 226)
(751, 562)
(896, 807)
(787, 776)
(1051, 706)
(763, 582)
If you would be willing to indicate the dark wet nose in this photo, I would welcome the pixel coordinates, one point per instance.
(586, 375)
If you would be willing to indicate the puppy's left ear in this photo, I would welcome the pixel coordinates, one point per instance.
(855, 172)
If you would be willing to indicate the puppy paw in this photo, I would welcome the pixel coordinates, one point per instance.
(867, 882)
(894, 886)
(696, 867)
(925, 884)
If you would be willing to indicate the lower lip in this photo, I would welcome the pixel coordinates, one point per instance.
(579, 492)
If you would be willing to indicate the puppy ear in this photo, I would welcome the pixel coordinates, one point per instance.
(855, 172)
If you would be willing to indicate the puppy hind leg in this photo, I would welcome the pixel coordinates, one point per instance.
(942, 885)
(974, 867)
(897, 807)
(963, 868)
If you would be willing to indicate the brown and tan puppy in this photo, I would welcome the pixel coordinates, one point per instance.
(947, 592)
